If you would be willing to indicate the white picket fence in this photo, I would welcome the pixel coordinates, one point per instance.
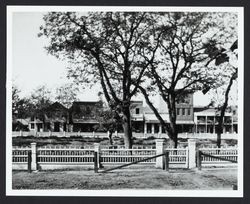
(57, 157)
(54, 158)
(229, 153)
(123, 156)
(178, 158)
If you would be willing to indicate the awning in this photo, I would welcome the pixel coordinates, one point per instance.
(151, 118)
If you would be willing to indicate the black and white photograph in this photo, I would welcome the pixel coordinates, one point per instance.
(124, 101)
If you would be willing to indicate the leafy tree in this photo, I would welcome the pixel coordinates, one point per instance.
(109, 48)
(15, 100)
(182, 63)
(108, 121)
(40, 99)
(20, 106)
(66, 94)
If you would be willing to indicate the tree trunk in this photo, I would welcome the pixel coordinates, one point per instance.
(218, 139)
(172, 119)
(223, 108)
(110, 138)
(126, 123)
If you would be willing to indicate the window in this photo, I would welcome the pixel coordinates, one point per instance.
(137, 111)
(32, 126)
(183, 111)
(188, 111)
(177, 111)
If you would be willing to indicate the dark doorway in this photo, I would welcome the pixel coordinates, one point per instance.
(64, 127)
(56, 127)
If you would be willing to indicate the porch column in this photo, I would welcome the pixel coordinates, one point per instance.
(232, 125)
(145, 128)
(153, 128)
(214, 126)
(223, 125)
(206, 124)
(160, 129)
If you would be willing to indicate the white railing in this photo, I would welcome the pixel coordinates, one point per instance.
(65, 156)
(219, 156)
(20, 154)
(178, 157)
(119, 156)
(52, 157)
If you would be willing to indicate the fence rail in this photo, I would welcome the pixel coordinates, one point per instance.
(219, 156)
(64, 157)
(78, 156)
(115, 156)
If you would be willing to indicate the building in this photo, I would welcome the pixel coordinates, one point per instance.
(206, 120)
(137, 116)
(184, 116)
(83, 116)
(55, 118)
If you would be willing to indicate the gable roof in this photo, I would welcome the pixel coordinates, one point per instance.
(56, 106)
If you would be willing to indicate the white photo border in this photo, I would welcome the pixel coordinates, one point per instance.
(125, 193)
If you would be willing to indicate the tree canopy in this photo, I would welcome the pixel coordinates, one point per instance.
(184, 53)
(131, 52)
(106, 47)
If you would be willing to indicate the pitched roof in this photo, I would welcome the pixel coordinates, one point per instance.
(55, 106)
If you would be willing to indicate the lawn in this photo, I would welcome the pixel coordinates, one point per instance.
(139, 178)
(83, 141)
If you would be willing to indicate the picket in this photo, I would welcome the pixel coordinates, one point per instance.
(76, 155)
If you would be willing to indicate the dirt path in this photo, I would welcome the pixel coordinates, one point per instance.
(127, 179)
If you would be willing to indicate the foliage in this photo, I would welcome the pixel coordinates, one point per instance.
(66, 94)
(184, 54)
(20, 106)
(224, 86)
(15, 100)
(106, 47)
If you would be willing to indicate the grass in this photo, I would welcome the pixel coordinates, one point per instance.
(81, 141)
(139, 178)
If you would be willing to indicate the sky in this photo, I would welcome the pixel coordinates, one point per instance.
(32, 66)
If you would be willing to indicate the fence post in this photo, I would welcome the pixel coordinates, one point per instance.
(166, 161)
(198, 159)
(97, 151)
(159, 143)
(95, 162)
(33, 156)
(29, 161)
(191, 153)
